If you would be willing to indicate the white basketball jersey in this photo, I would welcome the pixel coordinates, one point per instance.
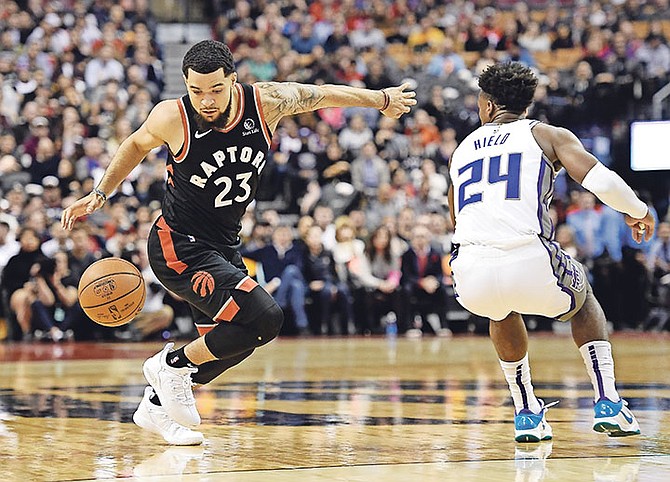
(503, 186)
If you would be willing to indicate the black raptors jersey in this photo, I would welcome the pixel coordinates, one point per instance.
(214, 176)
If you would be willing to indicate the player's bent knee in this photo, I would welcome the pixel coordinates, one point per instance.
(270, 324)
(257, 321)
(227, 340)
(260, 312)
(262, 315)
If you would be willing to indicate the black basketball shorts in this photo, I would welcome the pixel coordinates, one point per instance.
(205, 276)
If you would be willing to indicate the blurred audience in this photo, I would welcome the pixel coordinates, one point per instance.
(329, 296)
(77, 77)
(423, 287)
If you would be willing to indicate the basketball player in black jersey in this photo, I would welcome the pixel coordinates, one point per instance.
(218, 136)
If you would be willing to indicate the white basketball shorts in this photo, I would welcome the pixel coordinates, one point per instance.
(536, 277)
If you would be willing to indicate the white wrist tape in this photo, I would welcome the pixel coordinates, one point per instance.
(613, 191)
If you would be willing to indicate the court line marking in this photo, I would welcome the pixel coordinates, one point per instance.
(383, 464)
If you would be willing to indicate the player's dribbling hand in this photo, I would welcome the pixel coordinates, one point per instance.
(86, 205)
(641, 228)
(400, 101)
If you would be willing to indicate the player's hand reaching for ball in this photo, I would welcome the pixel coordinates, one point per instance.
(641, 228)
(82, 207)
(400, 101)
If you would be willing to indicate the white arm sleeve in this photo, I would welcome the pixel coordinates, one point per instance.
(613, 191)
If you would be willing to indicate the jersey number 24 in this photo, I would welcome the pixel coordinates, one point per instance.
(476, 170)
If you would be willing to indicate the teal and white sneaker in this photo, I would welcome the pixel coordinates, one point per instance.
(532, 427)
(614, 418)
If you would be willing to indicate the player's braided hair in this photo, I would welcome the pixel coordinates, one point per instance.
(208, 56)
(510, 86)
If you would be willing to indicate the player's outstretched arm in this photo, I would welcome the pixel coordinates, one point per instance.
(563, 146)
(280, 99)
(641, 228)
(152, 133)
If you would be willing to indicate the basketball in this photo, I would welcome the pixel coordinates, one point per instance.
(112, 291)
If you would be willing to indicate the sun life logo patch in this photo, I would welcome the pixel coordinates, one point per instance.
(249, 127)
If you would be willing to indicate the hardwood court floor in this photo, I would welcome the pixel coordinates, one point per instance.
(359, 409)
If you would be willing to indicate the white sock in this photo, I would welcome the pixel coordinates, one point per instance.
(599, 363)
(517, 375)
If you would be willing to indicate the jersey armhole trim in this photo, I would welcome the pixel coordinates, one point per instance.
(261, 116)
(549, 163)
(183, 150)
(533, 123)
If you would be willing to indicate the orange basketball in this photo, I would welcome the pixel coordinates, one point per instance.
(112, 291)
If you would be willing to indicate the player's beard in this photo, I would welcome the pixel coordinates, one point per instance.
(218, 123)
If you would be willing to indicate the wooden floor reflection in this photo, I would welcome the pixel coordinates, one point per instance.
(332, 409)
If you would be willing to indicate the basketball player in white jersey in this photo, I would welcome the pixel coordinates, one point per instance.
(505, 262)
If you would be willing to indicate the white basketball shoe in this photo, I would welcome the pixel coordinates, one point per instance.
(174, 387)
(155, 419)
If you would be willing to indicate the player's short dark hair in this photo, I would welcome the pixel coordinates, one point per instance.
(208, 56)
(510, 85)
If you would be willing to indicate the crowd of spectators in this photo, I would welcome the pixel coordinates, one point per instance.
(351, 229)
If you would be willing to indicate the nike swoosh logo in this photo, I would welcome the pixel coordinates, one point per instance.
(198, 135)
(628, 419)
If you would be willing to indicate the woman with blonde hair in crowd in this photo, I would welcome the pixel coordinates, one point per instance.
(350, 261)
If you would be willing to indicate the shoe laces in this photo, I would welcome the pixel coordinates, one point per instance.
(543, 409)
(181, 386)
(526, 419)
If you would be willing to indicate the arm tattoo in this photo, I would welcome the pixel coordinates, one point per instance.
(287, 98)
